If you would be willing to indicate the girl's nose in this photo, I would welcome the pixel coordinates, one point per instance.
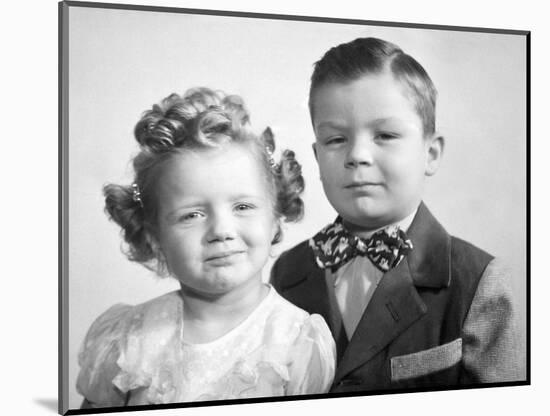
(360, 152)
(221, 228)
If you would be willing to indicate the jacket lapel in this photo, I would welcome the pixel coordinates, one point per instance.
(305, 286)
(394, 306)
(396, 303)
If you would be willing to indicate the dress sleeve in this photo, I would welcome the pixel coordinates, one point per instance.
(314, 359)
(492, 342)
(98, 357)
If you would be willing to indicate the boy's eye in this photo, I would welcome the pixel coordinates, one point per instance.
(386, 136)
(335, 140)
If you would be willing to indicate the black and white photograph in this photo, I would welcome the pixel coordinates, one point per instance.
(276, 209)
(289, 207)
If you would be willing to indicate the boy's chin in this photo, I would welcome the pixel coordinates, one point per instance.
(369, 215)
(362, 224)
(369, 222)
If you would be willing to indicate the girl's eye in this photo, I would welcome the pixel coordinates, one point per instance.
(190, 216)
(243, 207)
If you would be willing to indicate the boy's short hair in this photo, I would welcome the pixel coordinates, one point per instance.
(350, 61)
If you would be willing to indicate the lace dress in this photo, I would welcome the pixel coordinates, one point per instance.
(137, 355)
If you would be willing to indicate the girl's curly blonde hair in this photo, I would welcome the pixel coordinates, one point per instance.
(199, 119)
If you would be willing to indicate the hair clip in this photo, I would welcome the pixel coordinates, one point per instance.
(136, 194)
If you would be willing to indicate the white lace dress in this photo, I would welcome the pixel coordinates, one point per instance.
(137, 355)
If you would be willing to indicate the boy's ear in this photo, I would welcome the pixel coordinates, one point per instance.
(435, 148)
(314, 149)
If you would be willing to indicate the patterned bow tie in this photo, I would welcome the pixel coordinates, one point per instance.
(334, 246)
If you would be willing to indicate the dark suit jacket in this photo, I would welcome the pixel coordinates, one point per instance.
(442, 317)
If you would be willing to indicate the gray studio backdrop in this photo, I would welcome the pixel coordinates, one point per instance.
(120, 62)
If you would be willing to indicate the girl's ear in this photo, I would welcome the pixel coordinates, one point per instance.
(267, 138)
(163, 267)
(153, 242)
(276, 231)
(435, 148)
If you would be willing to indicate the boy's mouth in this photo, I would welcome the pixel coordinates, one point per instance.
(361, 184)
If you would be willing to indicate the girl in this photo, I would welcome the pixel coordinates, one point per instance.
(205, 208)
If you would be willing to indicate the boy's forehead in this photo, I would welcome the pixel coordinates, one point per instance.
(379, 96)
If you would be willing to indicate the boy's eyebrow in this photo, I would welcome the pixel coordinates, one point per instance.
(330, 123)
(388, 119)
(395, 122)
(371, 123)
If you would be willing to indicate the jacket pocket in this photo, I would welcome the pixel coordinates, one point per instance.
(425, 362)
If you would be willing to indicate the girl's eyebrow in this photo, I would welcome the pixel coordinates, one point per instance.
(246, 196)
(174, 213)
(198, 204)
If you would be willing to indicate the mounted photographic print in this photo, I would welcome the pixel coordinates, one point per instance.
(260, 208)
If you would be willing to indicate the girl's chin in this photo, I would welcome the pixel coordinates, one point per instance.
(220, 286)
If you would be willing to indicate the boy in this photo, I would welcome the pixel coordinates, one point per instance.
(414, 310)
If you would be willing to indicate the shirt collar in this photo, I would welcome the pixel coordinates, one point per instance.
(404, 224)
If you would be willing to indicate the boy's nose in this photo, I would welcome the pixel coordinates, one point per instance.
(221, 228)
(359, 153)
